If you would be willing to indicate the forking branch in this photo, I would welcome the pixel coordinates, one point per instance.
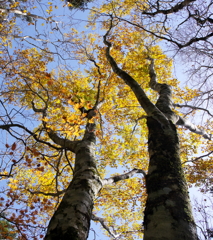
(162, 111)
(165, 104)
(150, 109)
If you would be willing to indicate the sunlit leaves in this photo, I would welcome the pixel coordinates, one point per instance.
(125, 218)
(32, 79)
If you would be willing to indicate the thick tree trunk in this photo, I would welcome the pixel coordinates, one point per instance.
(168, 213)
(72, 218)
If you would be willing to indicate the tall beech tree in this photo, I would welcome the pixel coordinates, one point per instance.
(67, 127)
(47, 167)
(167, 213)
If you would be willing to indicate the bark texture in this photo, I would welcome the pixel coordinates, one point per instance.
(72, 218)
(168, 214)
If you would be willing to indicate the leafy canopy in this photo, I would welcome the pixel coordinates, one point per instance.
(35, 75)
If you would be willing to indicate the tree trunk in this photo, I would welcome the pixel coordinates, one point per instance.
(72, 218)
(168, 213)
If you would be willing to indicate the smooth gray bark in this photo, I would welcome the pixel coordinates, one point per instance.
(72, 218)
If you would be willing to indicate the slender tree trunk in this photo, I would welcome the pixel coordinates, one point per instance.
(168, 213)
(71, 220)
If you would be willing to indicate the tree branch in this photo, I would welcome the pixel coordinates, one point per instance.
(192, 107)
(34, 135)
(169, 39)
(197, 158)
(26, 14)
(176, 8)
(187, 124)
(63, 142)
(58, 193)
(122, 176)
(112, 234)
(164, 103)
(102, 222)
(150, 109)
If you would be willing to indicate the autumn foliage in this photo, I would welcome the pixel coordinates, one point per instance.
(59, 70)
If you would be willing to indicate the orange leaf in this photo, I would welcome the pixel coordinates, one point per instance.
(48, 75)
(13, 146)
(50, 82)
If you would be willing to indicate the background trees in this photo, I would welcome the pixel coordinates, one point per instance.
(44, 93)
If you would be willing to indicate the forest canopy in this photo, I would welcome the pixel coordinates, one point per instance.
(87, 90)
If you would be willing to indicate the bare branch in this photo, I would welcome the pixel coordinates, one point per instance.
(102, 222)
(34, 135)
(187, 124)
(26, 14)
(192, 107)
(169, 36)
(197, 158)
(173, 9)
(111, 233)
(96, 65)
(58, 193)
(122, 176)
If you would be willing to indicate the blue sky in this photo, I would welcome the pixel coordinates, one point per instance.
(62, 13)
